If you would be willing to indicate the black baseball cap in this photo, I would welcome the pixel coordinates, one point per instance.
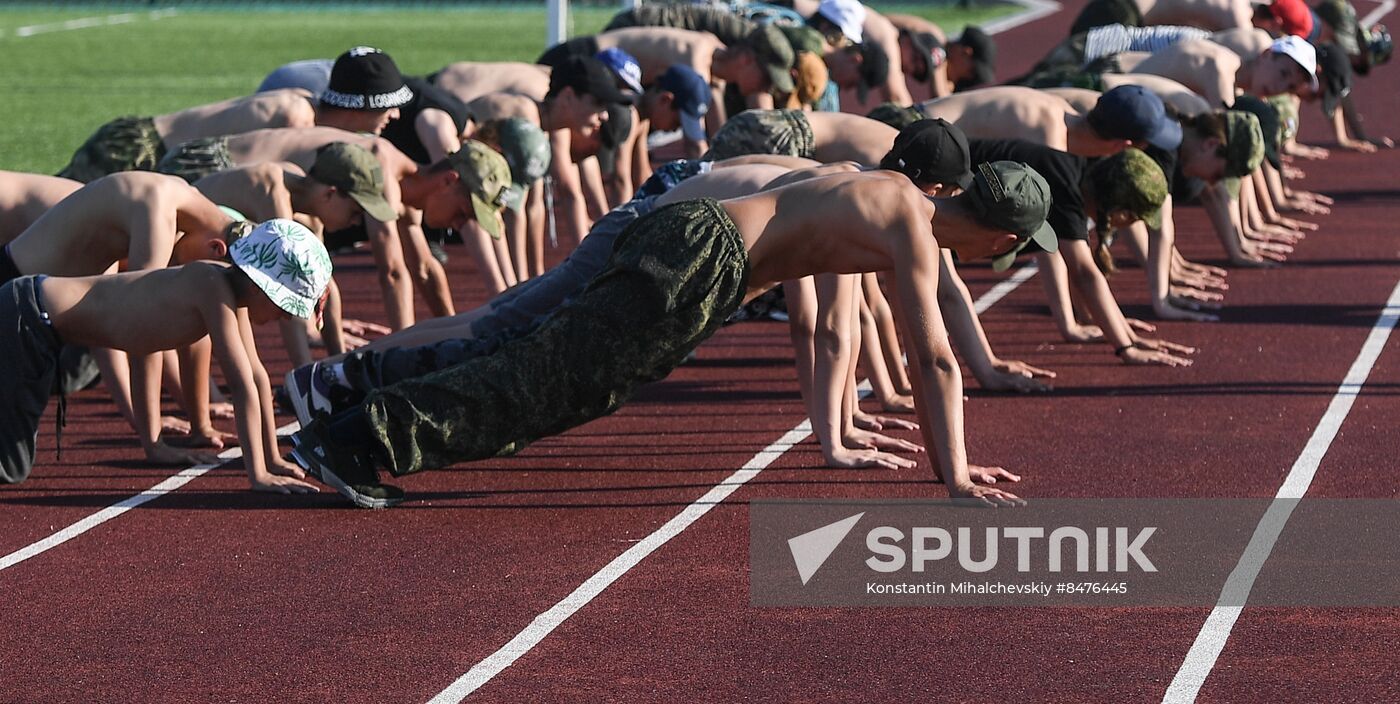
(932, 151)
(1335, 67)
(587, 76)
(984, 57)
(365, 78)
(874, 67)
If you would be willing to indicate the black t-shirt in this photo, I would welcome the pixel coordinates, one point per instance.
(1061, 170)
(402, 133)
(1184, 189)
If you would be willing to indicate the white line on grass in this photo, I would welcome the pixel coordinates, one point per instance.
(1200, 660)
(88, 523)
(545, 623)
(86, 22)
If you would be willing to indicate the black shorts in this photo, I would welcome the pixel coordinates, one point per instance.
(8, 270)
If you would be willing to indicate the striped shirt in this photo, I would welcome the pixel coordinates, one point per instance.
(1116, 39)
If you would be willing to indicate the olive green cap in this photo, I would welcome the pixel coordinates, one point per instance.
(486, 177)
(1269, 125)
(354, 171)
(526, 149)
(1244, 147)
(1129, 180)
(803, 38)
(775, 53)
(1012, 197)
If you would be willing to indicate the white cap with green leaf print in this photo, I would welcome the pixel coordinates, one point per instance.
(287, 262)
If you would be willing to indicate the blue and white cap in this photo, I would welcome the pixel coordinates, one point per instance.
(624, 65)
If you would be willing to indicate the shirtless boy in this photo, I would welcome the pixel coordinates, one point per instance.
(364, 94)
(672, 280)
(149, 221)
(25, 197)
(279, 270)
(1217, 73)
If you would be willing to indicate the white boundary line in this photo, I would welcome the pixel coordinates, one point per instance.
(86, 22)
(88, 523)
(545, 623)
(1374, 15)
(1200, 660)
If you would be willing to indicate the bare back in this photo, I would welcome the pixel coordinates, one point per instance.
(1213, 15)
(1206, 68)
(132, 215)
(843, 223)
(257, 190)
(24, 198)
(140, 311)
(1246, 42)
(722, 184)
(469, 80)
(1005, 112)
(839, 136)
(657, 48)
(1183, 99)
(499, 106)
(288, 107)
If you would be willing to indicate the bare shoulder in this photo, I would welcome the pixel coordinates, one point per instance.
(204, 282)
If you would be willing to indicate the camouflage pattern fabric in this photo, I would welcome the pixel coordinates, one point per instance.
(1066, 78)
(1341, 17)
(719, 21)
(197, 158)
(124, 144)
(674, 276)
(763, 132)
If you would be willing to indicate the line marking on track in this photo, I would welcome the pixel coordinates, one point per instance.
(87, 22)
(545, 623)
(166, 486)
(1200, 660)
(1375, 15)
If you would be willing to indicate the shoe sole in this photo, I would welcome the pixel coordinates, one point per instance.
(328, 477)
(300, 399)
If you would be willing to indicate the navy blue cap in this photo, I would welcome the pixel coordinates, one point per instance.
(1135, 113)
(692, 97)
(624, 65)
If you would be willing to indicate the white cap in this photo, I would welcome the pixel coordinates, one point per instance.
(1301, 51)
(849, 15)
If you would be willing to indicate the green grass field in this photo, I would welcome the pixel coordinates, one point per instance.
(57, 87)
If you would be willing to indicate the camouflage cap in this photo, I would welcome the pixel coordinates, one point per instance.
(1269, 125)
(1129, 180)
(1014, 198)
(775, 54)
(1244, 147)
(526, 149)
(486, 177)
(895, 116)
(803, 38)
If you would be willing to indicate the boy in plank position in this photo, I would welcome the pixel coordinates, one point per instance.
(675, 275)
(279, 270)
(149, 221)
(24, 198)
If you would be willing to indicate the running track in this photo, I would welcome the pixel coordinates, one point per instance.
(212, 593)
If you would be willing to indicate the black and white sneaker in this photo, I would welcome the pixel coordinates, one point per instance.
(350, 474)
(308, 392)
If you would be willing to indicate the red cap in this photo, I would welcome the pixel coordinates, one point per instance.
(1293, 17)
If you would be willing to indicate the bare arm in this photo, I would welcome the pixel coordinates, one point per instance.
(438, 134)
(960, 317)
(571, 212)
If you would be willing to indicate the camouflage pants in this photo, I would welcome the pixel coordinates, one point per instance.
(197, 158)
(784, 132)
(124, 144)
(674, 276)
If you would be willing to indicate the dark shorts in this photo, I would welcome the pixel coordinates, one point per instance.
(8, 270)
(197, 158)
(1066, 78)
(673, 278)
(124, 144)
(559, 53)
(784, 132)
(29, 350)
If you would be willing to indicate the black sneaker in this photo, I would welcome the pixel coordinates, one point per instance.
(349, 473)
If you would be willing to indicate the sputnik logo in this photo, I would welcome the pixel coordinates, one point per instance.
(811, 549)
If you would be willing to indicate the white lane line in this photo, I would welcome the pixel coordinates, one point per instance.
(545, 623)
(1381, 11)
(1200, 660)
(86, 22)
(88, 523)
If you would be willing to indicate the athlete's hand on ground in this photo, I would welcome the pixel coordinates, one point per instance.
(858, 439)
(361, 328)
(1382, 142)
(1083, 333)
(898, 404)
(1296, 225)
(1010, 381)
(222, 410)
(1208, 300)
(1273, 250)
(1308, 152)
(205, 438)
(1136, 356)
(1016, 366)
(1138, 326)
(352, 342)
(990, 475)
(885, 422)
(161, 453)
(1147, 343)
(984, 497)
(1177, 309)
(1293, 173)
(1199, 281)
(1201, 269)
(1358, 145)
(847, 458)
(171, 424)
(282, 485)
(284, 468)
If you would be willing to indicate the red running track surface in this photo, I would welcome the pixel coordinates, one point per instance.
(213, 593)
